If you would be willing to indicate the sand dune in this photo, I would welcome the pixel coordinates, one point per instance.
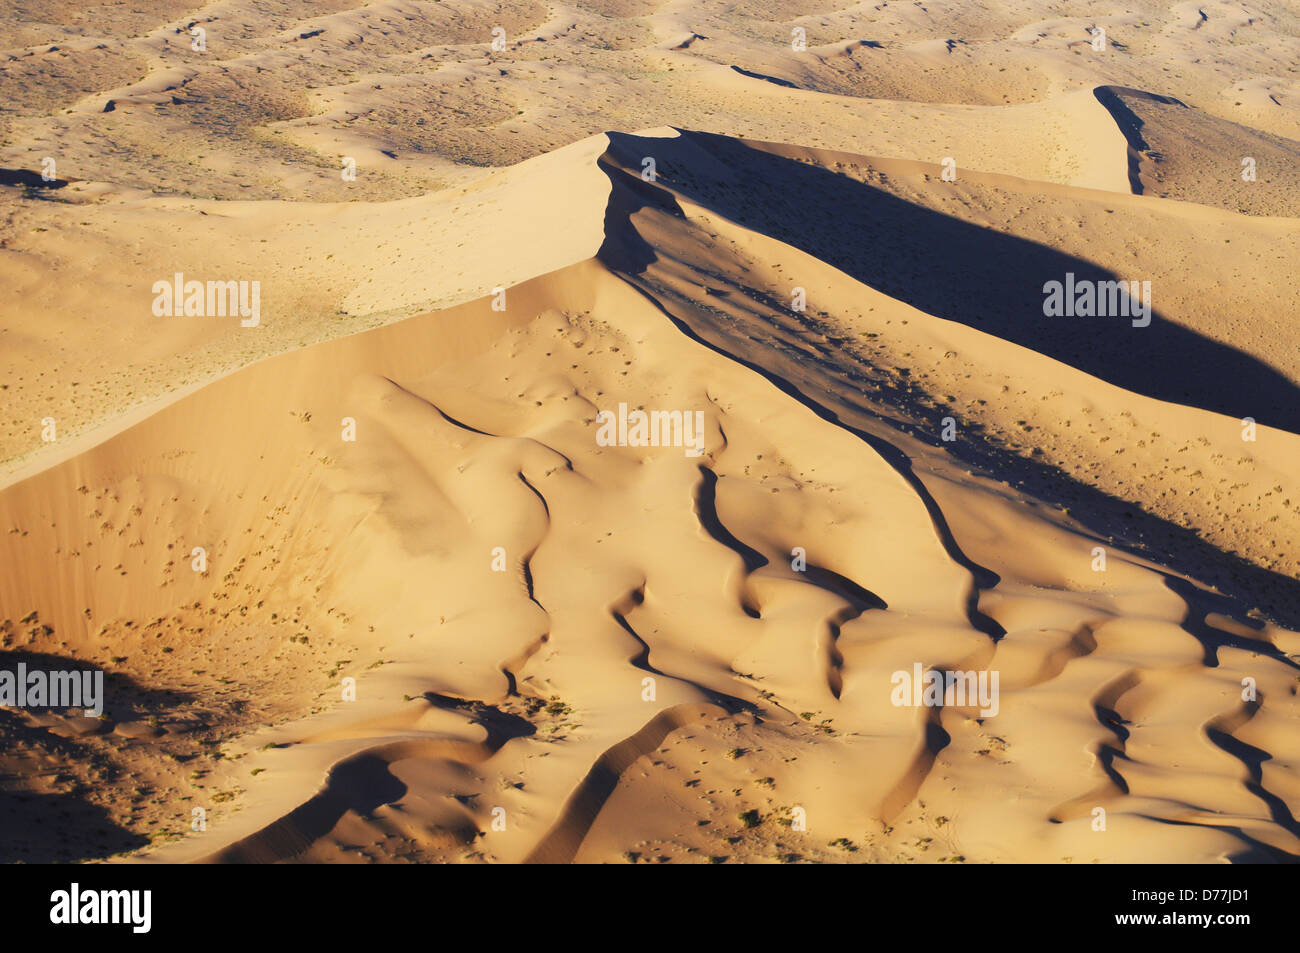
(387, 576)
(475, 429)
(1172, 147)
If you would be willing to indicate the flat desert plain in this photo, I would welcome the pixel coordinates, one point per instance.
(643, 431)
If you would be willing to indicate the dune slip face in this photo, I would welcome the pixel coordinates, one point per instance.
(640, 432)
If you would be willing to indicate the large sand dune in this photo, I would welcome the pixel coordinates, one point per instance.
(571, 649)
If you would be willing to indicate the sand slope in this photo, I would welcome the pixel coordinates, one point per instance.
(1175, 151)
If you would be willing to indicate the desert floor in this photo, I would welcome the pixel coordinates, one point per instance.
(368, 584)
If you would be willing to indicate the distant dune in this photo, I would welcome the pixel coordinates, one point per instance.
(1178, 152)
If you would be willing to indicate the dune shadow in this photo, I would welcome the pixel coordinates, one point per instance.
(1252, 850)
(952, 269)
(125, 698)
(51, 827)
(29, 179)
(58, 829)
(363, 782)
(1130, 124)
(706, 509)
(40, 826)
(774, 80)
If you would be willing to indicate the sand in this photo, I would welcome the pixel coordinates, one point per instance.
(445, 608)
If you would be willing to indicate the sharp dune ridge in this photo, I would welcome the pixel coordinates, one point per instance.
(439, 615)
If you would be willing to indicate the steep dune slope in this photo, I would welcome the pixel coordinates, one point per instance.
(567, 648)
(945, 249)
(1178, 152)
(81, 342)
